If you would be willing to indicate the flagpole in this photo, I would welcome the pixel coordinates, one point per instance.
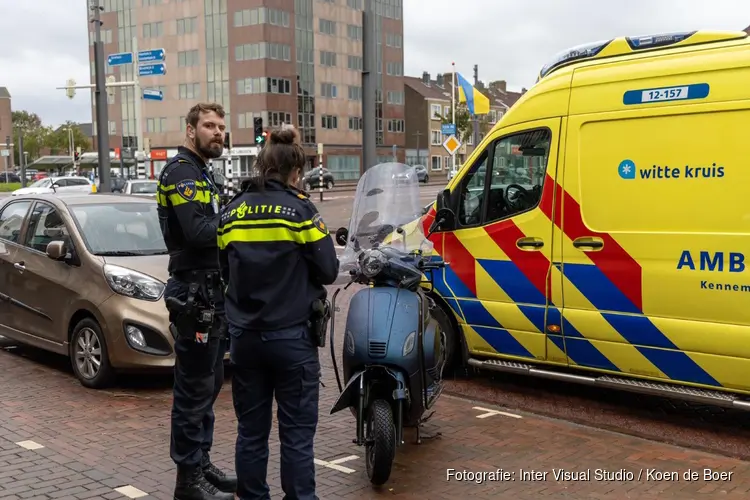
(453, 107)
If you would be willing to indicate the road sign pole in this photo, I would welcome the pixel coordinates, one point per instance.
(320, 172)
(139, 158)
(102, 117)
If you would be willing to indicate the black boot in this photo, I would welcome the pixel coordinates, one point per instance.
(214, 475)
(192, 485)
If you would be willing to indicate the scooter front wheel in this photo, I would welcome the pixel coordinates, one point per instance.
(381, 442)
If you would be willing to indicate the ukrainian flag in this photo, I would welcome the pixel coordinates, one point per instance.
(477, 102)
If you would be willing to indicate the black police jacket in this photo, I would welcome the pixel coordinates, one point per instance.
(188, 206)
(276, 254)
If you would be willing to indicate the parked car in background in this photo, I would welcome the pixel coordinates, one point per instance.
(453, 171)
(311, 180)
(422, 175)
(83, 276)
(141, 187)
(54, 185)
(9, 178)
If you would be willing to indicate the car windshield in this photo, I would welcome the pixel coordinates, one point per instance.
(120, 229)
(143, 187)
(42, 183)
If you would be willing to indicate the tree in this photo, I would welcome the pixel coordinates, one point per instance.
(465, 124)
(37, 137)
(34, 134)
(59, 143)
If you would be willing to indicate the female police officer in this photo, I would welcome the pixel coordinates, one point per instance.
(276, 255)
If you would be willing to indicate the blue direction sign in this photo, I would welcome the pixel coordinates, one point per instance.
(153, 55)
(153, 94)
(448, 129)
(152, 69)
(119, 59)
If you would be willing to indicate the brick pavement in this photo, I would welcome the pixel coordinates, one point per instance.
(96, 441)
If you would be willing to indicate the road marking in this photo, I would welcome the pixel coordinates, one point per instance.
(29, 445)
(334, 464)
(490, 413)
(131, 491)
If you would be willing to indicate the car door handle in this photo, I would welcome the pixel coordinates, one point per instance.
(20, 266)
(588, 242)
(530, 243)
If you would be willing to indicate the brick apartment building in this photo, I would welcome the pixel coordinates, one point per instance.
(6, 128)
(426, 101)
(295, 61)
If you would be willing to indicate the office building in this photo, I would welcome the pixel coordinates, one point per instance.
(295, 61)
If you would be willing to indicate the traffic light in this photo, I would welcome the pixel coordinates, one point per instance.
(76, 156)
(258, 130)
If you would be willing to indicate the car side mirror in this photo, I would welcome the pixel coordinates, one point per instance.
(57, 250)
(342, 234)
(445, 220)
(444, 199)
(55, 186)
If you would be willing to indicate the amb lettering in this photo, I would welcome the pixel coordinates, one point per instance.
(667, 172)
(733, 262)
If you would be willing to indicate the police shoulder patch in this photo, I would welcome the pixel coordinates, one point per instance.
(317, 221)
(301, 196)
(187, 189)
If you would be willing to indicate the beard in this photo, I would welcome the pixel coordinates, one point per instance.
(210, 149)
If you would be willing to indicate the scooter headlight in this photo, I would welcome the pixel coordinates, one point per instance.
(372, 263)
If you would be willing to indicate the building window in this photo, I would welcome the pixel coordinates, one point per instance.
(327, 27)
(446, 111)
(436, 163)
(148, 3)
(112, 128)
(395, 97)
(470, 140)
(354, 4)
(183, 124)
(354, 62)
(355, 93)
(355, 123)
(330, 122)
(188, 58)
(343, 167)
(106, 37)
(264, 85)
(262, 15)
(328, 90)
(436, 137)
(156, 125)
(327, 58)
(190, 90)
(396, 126)
(187, 25)
(394, 68)
(152, 30)
(393, 40)
(270, 118)
(435, 111)
(263, 50)
(354, 32)
(277, 118)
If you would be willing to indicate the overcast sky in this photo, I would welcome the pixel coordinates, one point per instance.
(44, 42)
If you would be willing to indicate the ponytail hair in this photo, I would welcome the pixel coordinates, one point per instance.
(280, 157)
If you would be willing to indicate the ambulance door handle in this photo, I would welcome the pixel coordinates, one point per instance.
(588, 243)
(524, 243)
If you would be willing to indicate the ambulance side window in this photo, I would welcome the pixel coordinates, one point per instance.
(519, 166)
(472, 194)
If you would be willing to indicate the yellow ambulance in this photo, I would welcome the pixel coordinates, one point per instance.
(600, 233)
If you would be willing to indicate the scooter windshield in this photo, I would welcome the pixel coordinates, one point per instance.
(387, 213)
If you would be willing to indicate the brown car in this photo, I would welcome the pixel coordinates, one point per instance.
(83, 276)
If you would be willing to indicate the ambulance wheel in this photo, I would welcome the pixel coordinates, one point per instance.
(380, 449)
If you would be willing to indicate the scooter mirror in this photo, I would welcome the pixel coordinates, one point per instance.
(341, 234)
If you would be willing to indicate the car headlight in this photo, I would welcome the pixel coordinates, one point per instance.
(132, 283)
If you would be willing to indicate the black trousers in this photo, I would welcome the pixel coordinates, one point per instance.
(198, 379)
(283, 363)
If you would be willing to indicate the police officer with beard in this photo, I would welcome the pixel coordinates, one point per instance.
(188, 206)
(276, 256)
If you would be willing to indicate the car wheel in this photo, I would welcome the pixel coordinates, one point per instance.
(329, 185)
(89, 356)
(426, 179)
